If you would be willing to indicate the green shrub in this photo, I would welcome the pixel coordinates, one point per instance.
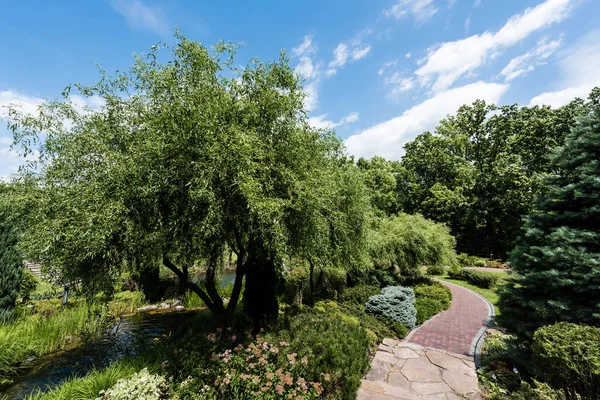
(496, 264)
(395, 303)
(427, 308)
(359, 294)
(335, 347)
(567, 356)
(436, 270)
(486, 280)
(463, 259)
(142, 385)
(126, 302)
(295, 281)
(480, 262)
(435, 291)
(329, 283)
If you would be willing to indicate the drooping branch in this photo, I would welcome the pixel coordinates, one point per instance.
(183, 277)
(240, 271)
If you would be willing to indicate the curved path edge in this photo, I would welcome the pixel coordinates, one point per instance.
(477, 342)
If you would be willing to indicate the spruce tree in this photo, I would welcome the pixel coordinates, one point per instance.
(557, 260)
(11, 269)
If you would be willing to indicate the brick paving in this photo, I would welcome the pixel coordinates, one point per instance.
(454, 329)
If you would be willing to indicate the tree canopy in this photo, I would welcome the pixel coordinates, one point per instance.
(557, 260)
(184, 159)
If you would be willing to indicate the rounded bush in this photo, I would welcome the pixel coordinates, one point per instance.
(436, 270)
(427, 308)
(359, 294)
(437, 292)
(140, 386)
(395, 303)
(567, 356)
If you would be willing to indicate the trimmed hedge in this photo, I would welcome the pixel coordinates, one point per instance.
(395, 303)
(486, 280)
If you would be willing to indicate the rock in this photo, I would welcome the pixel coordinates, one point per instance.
(421, 370)
(179, 308)
(398, 380)
(460, 383)
(450, 363)
(390, 342)
(379, 370)
(405, 353)
(431, 387)
(386, 357)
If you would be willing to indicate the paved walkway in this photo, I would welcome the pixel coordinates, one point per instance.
(456, 328)
(436, 360)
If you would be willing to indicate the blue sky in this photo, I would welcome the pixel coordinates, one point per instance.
(377, 71)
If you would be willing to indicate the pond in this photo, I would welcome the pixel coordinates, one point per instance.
(123, 338)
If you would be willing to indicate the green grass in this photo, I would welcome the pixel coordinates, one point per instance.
(490, 294)
(39, 334)
(89, 386)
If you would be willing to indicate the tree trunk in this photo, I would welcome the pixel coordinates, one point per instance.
(240, 271)
(184, 282)
(210, 282)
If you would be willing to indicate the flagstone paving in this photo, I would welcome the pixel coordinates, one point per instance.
(436, 361)
(408, 371)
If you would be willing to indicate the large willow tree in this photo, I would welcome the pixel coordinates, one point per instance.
(187, 157)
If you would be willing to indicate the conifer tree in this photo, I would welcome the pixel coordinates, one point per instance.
(11, 268)
(557, 260)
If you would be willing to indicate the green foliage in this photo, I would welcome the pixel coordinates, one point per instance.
(359, 295)
(11, 268)
(199, 156)
(435, 291)
(427, 308)
(295, 281)
(557, 261)
(567, 356)
(481, 279)
(472, 261)
(481, 169)
(395, 303)
(436, 270)
(336, 347)
(142, 385)
(28, 285)
(126, 302)
(330, 284)
(410, 241)
(41, 334)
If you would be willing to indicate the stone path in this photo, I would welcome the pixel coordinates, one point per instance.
(436, 360)
(456, 329)
(406, 371)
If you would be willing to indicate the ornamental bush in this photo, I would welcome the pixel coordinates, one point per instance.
(140, 386)
(435, 291)
(11, 268)
(486, 280)
(436, 270)
(567, 356)
(359, 294)
(395, 303)
(427, 308)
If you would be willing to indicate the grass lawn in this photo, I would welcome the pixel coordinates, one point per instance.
(489, 294)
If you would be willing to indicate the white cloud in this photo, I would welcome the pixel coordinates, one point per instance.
(386, 66)
(477, 3)
(408, 55)
(320, 121)
(400, 83)
(421, 10)
(350, 50)
(142, 17)
(388, 138)
(340, 56)
(311, 100)
(360, 52)
(467, 24)
(447, 62)
(26, 103)
(527, 62)
(306, 47)
(579, 72)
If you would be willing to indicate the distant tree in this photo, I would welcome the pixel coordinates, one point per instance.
(481, 169)
(185, 160)
(557, 260)
(379, 175)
